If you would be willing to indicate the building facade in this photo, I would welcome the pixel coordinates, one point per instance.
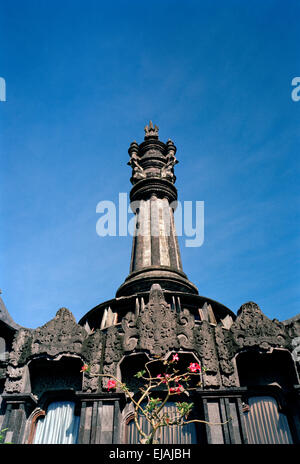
(251, 377)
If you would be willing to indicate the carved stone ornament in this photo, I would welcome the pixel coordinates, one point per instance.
(92, 353)
(157, 324)
(168, 170)
(253, 328)
(151, 130)
(138, 172)
(204, 341)
(130, 338)
(185, 326)
(113, 353)
(226, 349)
(60, 335)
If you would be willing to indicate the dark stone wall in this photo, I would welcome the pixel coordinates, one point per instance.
(49, 358)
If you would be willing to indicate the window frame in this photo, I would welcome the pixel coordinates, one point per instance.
(46, 399)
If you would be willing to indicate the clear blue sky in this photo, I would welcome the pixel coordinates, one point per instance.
(83, 79)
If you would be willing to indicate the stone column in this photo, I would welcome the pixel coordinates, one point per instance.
(99, 418)
(18, 409)
(155, 252)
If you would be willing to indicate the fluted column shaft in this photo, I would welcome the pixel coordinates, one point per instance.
(155, 242)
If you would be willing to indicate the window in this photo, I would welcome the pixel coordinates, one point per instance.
(264, 423)
(166, 435)
(59, 426)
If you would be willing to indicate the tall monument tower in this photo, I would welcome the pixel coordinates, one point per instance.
(155, 252)
(249, 387)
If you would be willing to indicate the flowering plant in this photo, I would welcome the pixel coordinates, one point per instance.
(149, 405)
(194, 367)
(111, 384)
(85, 368)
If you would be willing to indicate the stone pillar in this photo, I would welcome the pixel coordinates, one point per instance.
(224, 406)
(99, 418)
(18, 409)
(155, 252)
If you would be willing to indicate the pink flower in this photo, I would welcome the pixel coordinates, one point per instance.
(175, 357)
(166, 376)
(111, 384)
(194, 367)
(84, 368)
(160, 377)
(177, 389)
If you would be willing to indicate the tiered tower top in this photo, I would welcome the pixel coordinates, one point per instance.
(155, 252)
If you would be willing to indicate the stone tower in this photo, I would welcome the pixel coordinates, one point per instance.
(155, 251)
(252, 362)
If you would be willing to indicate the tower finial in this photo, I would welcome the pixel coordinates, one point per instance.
(151, 131)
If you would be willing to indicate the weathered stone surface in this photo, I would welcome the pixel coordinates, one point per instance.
(60, 335)
(156, 325)
(21, 349)
(17, 380)
(92, 350)
(131, 333)
(226, 349)
(206, 348)
(252, 328)
(185, 326)
(113, 353)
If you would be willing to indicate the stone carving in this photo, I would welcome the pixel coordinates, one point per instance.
(151, 131)
(130, 339)
(60, 335)
(253, 328)
(91, 352)
(17, 371)
(138, 172)
(113, 353)
(296, 349)
(21, 349)
(204, 342)
(17, 380)
(292, 327)
(185, 325)
(168, 170)
(157, 325)
(226, 349)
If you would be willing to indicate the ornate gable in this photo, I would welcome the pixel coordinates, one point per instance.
(60, 335)
(252, 328)
(157, 324)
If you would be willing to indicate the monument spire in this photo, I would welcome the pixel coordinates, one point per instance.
(155, 251)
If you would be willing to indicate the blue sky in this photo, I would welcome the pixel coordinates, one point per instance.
(83, 79)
